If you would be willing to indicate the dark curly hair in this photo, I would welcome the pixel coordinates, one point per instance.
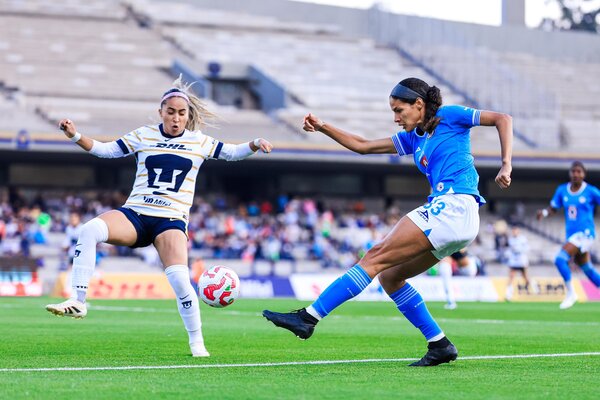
(432, 97)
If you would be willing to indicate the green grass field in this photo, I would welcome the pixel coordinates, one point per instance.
(150, 333)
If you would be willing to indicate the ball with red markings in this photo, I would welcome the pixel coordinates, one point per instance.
(219, 286)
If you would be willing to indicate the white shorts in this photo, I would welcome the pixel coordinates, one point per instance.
(450, 222)
(582, 241)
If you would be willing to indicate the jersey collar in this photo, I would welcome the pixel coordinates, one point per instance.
(162, 132)
(581, 189)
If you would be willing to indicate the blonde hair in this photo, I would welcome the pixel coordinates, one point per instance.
(199, 115)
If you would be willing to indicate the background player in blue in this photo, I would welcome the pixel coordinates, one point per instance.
(168, 157)
(438, 139)
(579, 199)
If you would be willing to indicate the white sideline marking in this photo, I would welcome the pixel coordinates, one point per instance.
(369, 317)
(289, 363)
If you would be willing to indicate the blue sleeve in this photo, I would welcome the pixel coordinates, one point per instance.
(463, 116)
(556, 201)
(403, 143)
(596, 196)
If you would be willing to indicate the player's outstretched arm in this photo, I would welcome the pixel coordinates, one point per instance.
(236, 152)
(356, 143)
(70, 131)
(94, 147)
(503, 123)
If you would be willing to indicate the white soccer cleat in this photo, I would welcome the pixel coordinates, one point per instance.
(70, 308)
(568, 302)
(198, 350)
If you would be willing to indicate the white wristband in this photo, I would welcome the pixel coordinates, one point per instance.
(256, 142)
(76, 137)
(545, 213)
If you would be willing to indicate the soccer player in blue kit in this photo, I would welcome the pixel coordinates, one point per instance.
(579, 199)
(438, 138)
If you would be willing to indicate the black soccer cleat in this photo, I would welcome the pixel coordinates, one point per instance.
(437, 355)
(299, 322)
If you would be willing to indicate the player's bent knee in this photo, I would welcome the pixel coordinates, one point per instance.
(94, 230)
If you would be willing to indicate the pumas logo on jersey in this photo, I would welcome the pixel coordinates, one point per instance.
(424, 215)
(172, 146)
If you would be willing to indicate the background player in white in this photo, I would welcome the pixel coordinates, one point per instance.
(466, 267)
(168, 157)
(518, 261)
(438, 139)
(579, 200)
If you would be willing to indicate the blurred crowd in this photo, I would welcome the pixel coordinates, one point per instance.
(286, 229)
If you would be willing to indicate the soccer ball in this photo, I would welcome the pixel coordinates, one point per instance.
(219, 286)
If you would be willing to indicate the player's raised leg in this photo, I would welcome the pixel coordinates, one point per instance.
(111, 227)
(172, 248)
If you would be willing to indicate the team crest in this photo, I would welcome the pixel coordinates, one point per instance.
(581, 199)
(440, 186)
(186, 304)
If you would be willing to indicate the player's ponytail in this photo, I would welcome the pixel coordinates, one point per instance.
(432, 104)
(410, 89)
(199, 115)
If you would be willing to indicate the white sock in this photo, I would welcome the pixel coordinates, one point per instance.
(446, 274)
(509, 292)
(84, 262)
(187, 301)
(570, 288)
(311, 310)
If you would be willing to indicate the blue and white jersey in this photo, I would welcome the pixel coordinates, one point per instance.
(445, 156)
(579, 207)
(166, 169)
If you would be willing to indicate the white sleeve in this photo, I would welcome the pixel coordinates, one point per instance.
(233, 152)
(107, 150)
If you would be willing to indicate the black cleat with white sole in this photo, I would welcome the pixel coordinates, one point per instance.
(299, 322)
(437, 353)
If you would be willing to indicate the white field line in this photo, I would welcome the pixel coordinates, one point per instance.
(290, 363)
(367, 317)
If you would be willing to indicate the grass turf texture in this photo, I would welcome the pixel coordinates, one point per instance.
(150, 333)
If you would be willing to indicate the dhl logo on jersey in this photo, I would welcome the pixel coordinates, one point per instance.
(172, 146)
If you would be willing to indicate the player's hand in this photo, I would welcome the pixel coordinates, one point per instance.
(312, 123)
(68, 127)
(503, 178)
(541, 214)
(264, 145)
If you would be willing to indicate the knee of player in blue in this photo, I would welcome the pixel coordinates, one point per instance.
(562, 263)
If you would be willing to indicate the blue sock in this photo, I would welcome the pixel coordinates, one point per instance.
(562, 263)
(591, 273)
(411, 304)
(344, 288)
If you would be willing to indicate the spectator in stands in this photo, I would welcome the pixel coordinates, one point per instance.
(518, 261)
(168, 157)
(438, 138)
(579, 200)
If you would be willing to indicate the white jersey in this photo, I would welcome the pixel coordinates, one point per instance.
(167, 168)
(517, 251)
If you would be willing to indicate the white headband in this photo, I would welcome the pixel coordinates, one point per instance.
(175, 94)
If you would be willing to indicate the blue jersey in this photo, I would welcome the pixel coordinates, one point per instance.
(445, 156)
(579, 207)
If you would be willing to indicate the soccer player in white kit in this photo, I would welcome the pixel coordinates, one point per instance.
(168, 157)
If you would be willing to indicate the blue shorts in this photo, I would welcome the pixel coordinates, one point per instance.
(148, 228)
